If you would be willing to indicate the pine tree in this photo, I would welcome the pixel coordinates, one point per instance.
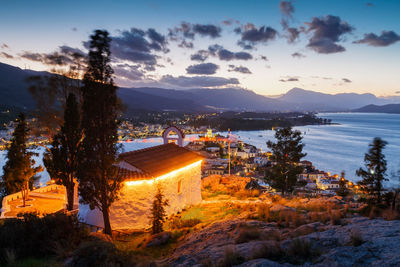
(343, 191)
(374, 173)
(286, 153)
(18, 170)
(62, 161)
(97, 175)
(158, 213)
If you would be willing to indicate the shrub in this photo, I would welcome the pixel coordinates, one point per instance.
(356, 238)
(271, 251)
(98, 253)
(178, 223)
(32, 236)
(231, 257)
(263, 212)
(247, 234)
(301, 250)
(390, 215)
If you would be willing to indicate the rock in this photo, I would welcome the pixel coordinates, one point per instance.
(262, 263)
(279, 207)
(253, 185)
(158, 239)
(307, 229)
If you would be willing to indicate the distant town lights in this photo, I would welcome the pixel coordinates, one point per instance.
(165, 176)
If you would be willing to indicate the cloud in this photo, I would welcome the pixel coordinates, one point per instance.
(4, 46)
(240, 69)
(326, 32)
(187, 30)
(397, 92)
(128, 72)
(290, 79)
(224, 54)
(6, 55)
(230, 22)
(186, 44)
(200, 55)
(220, 52)
(385, 39)
(204, 68)
(286, 8)
(198, 81)
(139, 46)
(207, 30)
(346, 80)
(251, 35)
(298, 55)
(64, 56)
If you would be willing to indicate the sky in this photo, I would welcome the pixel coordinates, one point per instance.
(267, 46)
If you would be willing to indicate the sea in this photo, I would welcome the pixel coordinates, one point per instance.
(334, 148)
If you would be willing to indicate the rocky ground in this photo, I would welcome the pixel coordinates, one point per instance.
(358, 241)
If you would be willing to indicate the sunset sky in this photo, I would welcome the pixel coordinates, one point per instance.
(267, 46)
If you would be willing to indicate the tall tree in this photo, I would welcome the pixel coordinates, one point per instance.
(374, 173)
(18, 170)
(62, 161)
(286, 153)
(158, 213)
(97, 175)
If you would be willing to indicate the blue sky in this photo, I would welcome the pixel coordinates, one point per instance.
(330, 51)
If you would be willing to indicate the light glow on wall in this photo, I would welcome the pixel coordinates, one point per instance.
(165, 176)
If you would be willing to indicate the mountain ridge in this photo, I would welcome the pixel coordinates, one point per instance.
(14, 92)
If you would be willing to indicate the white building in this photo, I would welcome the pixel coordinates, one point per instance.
(175, 169)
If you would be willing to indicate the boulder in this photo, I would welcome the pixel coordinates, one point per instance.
(158, 239)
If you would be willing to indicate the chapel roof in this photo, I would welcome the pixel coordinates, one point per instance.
(158, 160)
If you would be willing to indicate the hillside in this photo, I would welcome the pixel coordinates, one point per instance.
(338, 102)
(390, 108)
(14, 93)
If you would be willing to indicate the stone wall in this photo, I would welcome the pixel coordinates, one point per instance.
(132, 210)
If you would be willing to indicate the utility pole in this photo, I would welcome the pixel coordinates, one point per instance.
(229, 151)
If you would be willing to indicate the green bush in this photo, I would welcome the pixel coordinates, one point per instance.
(178, 223)
(32, 236)
(98, 254)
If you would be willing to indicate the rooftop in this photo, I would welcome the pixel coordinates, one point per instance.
(158, 160)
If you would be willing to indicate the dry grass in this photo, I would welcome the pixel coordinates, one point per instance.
(248, 233)
(356, 238)
(231, 257)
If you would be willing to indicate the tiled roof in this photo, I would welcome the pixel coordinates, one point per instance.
(158, 160)
(126, 174)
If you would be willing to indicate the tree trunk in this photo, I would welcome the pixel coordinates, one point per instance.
(70, 197)
(396, 194)
(23, 197)
(106, 218)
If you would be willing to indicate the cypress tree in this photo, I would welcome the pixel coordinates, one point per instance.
(18, 171)
(97, 175)
(374, 173)
(286, 153)
(62, 160)
(158, 213)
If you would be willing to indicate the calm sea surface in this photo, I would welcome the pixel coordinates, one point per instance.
(331, 148)
(340, 147)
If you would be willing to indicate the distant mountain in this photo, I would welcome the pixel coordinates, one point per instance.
(390, 108)
(310, 100)
(219, 99)
(14, 93)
